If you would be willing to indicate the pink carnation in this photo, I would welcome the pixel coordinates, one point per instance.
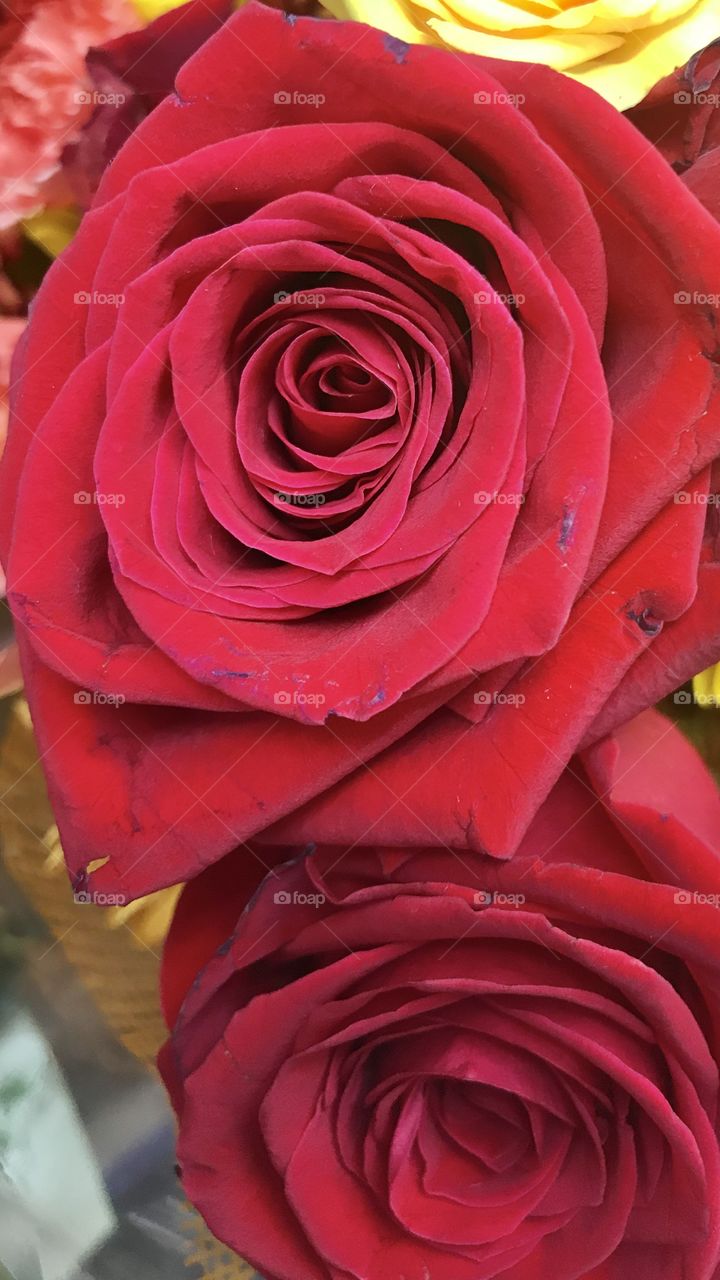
(43, 44)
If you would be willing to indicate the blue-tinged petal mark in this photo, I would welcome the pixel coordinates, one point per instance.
(398, 48)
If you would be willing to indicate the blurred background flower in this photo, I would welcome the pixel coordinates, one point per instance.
(149, 9)
(45, 91)
(621, 48)
(706, 687)
(129, 76)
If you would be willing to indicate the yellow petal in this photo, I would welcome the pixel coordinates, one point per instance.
(665, 10)
(148, 919)
(706, 687)
(602, 16)
(628, 74)
(498, 15)
(385, 14)
(559, 51)
(53, 229)
(149, 9)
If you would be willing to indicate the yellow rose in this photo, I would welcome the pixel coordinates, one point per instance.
(621, 48)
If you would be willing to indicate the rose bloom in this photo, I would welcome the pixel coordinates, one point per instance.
(44, 91)
(360, 462)
(620, 48)
(422, 1063)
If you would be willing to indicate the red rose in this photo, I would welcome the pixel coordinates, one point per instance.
(358, 406)
(423, 1063)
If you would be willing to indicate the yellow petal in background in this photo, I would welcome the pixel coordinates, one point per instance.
(497, 15)
(388, 15)
(148, 919)
(706, 687)
(149, 9)
(647, 56)
(556, 50)
(53, 229)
